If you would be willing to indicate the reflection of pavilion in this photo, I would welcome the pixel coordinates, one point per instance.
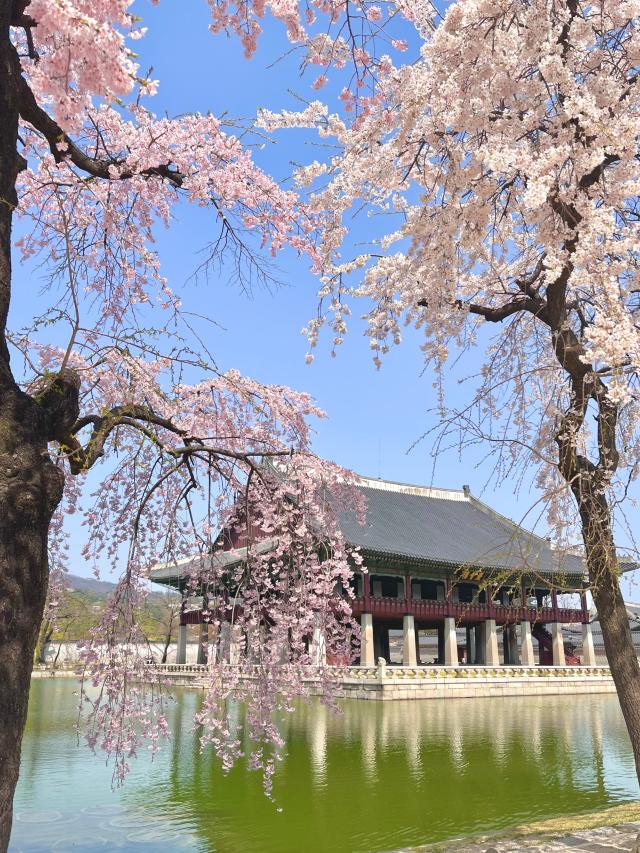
(449, 581)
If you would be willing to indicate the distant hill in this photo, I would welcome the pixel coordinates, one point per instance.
(84, 605)
(98, 588)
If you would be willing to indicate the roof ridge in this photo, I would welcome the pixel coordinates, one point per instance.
(412, 489)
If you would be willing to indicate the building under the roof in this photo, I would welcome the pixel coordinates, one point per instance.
(448, 581)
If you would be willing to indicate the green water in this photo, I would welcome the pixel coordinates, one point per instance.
(379, 777)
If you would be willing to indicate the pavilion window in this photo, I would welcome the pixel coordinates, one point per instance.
(466, 593)
(356, 583)
(387, 586)
(427, 590)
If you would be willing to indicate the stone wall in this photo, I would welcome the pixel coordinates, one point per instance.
(68, 653)
(384, 683)
(402, 682)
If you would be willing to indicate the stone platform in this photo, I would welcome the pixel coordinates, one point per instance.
(469, 682)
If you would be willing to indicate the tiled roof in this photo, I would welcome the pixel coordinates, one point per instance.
(437, 527)
(175, 573)
(451, 527)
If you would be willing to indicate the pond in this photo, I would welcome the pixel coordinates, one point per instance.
(377, 777)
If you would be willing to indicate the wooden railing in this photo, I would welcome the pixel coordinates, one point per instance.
(436, 611)
(464, 613)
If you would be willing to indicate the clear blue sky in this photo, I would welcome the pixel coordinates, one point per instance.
(374, 416)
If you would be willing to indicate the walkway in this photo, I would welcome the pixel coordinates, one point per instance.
(605, 839)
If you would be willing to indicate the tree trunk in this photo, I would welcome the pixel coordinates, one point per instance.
(30, 483)
(44, 636)
(167, 641)
(30, 489)
(602, 563)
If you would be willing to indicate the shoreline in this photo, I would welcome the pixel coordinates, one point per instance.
(614, 826)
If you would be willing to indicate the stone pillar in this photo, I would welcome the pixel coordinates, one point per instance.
(506, 647)
(481, 643)
(203, 639)
(526, 645)
(212, 649)
(588, 652)
(224, 643)
(181, 650)
(366, 640)
(491, 656)
(512, 639)
(558, 644)
(450, 642)
(318, 648)
(409, 642)
(235, 644)
(471, 646)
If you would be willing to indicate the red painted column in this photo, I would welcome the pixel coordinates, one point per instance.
(366, 580)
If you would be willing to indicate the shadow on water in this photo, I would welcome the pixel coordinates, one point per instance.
(377, 777)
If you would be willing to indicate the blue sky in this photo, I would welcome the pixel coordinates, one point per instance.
(374, 416)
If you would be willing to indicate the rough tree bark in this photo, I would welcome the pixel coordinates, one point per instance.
(30, 483)
(586, 482)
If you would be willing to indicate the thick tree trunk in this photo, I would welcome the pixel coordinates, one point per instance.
(603, 569)
(30, 484)
(30, 489)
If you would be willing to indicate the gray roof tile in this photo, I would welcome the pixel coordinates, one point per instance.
(451, 527)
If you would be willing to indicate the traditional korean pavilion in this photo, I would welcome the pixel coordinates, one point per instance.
(450, 579)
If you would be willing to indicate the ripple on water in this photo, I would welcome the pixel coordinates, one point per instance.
(39, 817)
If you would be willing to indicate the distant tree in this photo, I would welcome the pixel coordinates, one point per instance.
(169, 620)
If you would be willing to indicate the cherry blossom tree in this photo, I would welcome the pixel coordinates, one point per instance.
(504, 154)
(109, 391)
(502, 157)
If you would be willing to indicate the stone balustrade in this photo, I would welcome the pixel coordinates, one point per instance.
(432, 682)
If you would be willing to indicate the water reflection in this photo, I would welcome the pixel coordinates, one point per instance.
(381, 775)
